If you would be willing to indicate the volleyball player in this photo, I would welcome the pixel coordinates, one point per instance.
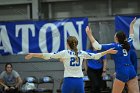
(125, 72)
(72, 60)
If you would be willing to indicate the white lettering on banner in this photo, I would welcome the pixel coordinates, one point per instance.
(5, 40)
(1, 47)
(43, 38)
(70, 29)
(25, 35)
(24, 29)
(136, 41)
(80, 23)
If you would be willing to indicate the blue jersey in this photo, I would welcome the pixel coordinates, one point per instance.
(95, 64)
(122, 57)
(123, 65)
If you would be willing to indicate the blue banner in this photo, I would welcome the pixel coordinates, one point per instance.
(23, 37)
(122, 24)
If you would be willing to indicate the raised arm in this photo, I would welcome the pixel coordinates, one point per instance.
(94, 43)
(89, 34)
(131, 31)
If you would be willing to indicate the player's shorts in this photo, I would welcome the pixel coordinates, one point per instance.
(126, 73)
(73, 85)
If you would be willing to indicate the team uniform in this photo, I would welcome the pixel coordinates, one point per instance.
(123, 66)
(73, 75)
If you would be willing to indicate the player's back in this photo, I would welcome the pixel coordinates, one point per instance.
(122, 57)
(72, 66)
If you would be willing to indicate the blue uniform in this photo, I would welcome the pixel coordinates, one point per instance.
(95, 64)
(73, 85)
(123, 65)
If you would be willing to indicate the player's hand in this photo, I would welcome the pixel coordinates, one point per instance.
(88, 30)
(133, 21)
(29, 56)
(112, 51)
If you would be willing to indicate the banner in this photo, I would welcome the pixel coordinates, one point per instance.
(23, 37)
(122, 24)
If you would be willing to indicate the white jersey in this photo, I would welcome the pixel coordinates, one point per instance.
(72, 68)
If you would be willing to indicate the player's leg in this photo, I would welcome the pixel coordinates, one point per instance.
(133, 85)
(118, 86)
